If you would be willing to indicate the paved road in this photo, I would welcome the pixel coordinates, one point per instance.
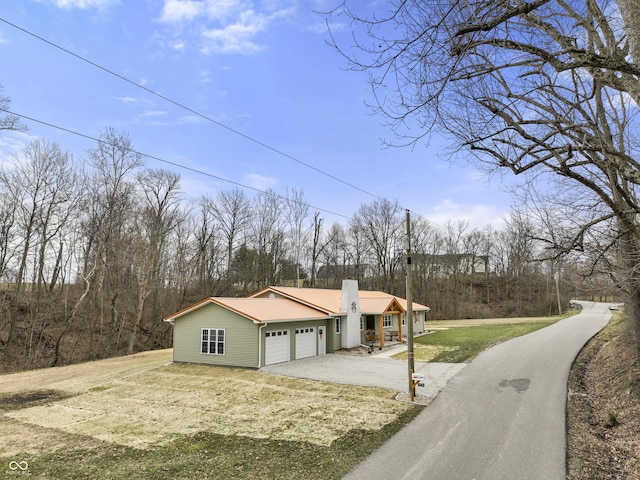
(500, 418)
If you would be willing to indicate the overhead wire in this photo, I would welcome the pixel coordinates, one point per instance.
(196, 113)
(162, 160)
(187, 108)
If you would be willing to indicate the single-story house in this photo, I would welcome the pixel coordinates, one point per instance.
(280, 324)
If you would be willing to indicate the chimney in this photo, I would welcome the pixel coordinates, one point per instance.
(350, 304)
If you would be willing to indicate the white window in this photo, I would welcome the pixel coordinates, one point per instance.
(213, 341)
(404, 320)
(337, 324)
(387, 322)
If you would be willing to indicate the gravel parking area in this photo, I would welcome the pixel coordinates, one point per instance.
(368, 371)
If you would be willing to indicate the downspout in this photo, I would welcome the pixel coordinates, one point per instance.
(172, 322)
(260, 343)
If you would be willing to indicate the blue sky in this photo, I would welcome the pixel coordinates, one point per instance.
(262, 68)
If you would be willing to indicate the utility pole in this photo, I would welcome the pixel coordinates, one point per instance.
(409, 313)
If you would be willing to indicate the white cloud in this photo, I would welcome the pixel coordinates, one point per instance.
(179, 46)
(11, 143)
(154, 113)
(180, 11)
(237, 37)
(126, 99)
(258, 181)
(176, 11)
(85, 4)
(223, 26)
(478, 215)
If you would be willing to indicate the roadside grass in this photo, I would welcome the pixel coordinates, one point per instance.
(460, 342)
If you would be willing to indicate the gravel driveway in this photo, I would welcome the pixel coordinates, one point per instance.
(369, 371)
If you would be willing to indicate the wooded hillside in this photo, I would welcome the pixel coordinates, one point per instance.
(95, 251)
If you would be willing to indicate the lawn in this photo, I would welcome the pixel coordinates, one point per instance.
(461, 341)
(141, 417)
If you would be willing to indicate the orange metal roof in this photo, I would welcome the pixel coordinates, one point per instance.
(324, 299)
(329, 299)
(259, 309)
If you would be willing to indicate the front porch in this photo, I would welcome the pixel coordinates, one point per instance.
(389, 337)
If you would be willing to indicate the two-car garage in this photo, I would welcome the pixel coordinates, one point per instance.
(278, 344)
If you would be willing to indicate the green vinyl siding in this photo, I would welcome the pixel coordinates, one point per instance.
(241, 337)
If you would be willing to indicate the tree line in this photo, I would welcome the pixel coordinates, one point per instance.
(95, 251)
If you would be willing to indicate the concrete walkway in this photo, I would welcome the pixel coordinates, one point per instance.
(377, 370)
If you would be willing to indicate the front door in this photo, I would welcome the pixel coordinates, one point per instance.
(322, 341)
(371, 323)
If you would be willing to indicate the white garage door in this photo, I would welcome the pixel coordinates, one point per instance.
(305, 342)
(276, 347)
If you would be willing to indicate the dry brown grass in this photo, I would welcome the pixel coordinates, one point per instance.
(142, 401)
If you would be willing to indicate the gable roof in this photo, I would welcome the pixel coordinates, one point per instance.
(328, 300)
(380, 305)
(258, 310)
(322, 299)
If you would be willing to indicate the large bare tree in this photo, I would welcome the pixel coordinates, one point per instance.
(530, 87)
(109, 227)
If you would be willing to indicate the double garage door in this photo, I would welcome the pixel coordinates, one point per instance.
(278, 343)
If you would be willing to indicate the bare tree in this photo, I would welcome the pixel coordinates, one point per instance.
(42, 189)
(336, 255)
(108, 226)
(531, 87)
(317, 246)
(380, 224)
(267, 237)
(157, 218)
(208, 254)
(232, 212)
(7, 233)
(297, 212)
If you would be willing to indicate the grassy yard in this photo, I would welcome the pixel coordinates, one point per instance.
(140, 417)
(458, 341)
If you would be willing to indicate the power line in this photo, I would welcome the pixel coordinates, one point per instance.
(188, 109)
(198, 114)
(185, 167)
(162, 160)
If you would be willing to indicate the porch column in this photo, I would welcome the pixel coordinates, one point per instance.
(400, 326)
(381, 335)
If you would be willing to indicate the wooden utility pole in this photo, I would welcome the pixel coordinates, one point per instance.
(409, 313)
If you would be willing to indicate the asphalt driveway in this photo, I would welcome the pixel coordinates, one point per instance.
(368, 371)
